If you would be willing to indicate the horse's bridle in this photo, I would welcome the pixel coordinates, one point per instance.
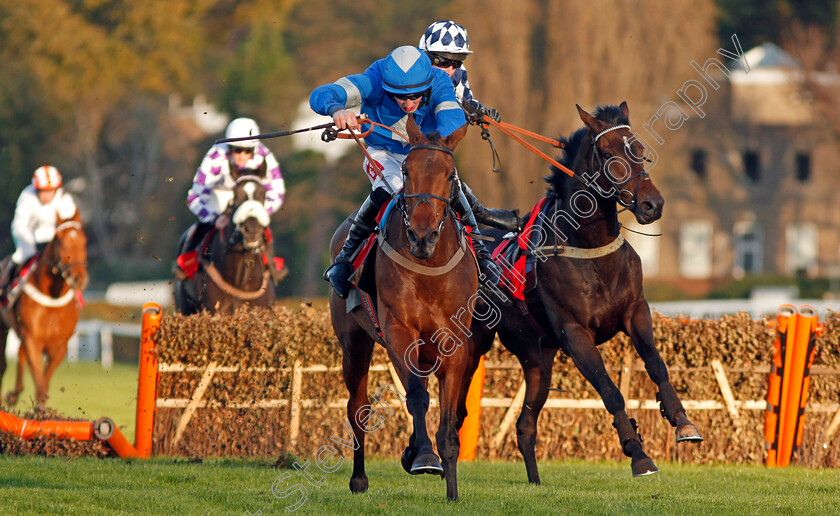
(596, 155)
(236, 233)
(62, 268)
(425, 196)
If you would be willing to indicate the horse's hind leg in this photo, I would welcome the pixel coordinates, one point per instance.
(587, 358)
(640, 330)
(13, 395)
(537, 369)
(357, 347)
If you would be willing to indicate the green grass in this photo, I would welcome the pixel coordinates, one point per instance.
(85, 390)
(34, 485)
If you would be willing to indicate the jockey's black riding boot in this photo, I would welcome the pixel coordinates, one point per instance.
(6, 279)
(502, 219)
(363, 225)
(489, 269)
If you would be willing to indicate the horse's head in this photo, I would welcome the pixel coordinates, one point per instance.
(616, 163)
(67, 253)
(249, 216)
(429, 183)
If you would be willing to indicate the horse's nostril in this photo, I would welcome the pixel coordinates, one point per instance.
(648, 207)
(433, 237)
(412, 236)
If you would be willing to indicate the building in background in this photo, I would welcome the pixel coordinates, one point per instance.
(751, 188)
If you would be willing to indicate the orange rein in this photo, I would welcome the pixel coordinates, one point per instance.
(510, 129)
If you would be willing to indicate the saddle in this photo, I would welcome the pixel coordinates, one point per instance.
(518, 264)
(15, 287)
(190, 261)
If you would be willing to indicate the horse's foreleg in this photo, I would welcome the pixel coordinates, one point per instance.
(53, 360)
(640, 329)
(454, 385)
(403, 351)
(537, 380)
(35, 360)
(581, 347)
(358, 349)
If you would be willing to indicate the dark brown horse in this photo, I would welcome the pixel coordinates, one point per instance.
(46, 313)
(232, 270)
(423, 277)
(589, 283)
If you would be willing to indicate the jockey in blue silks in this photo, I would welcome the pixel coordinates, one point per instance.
(402, 84)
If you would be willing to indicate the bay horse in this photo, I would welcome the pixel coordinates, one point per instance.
(589, 283)
(423, 276)
(45, 315)
(231, 268)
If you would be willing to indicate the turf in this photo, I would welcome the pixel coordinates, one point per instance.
(84, 390)
(35, 485)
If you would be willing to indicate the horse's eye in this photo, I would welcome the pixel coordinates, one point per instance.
(607, 155)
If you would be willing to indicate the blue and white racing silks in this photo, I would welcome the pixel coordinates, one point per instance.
(442, 113)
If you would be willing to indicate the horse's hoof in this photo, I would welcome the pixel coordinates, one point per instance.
(644, 467)
(427, 463)
(358, 485)
(407, 458)
(688, 432)
(11, 399)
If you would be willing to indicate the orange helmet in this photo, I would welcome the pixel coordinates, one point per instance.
(46, 178)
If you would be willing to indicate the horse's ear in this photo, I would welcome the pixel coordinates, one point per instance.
(593, 124)
(625, 111)
(452, 140)
(414, 132)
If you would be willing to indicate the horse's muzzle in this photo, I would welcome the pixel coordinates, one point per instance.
(649, 210)
(422, 247)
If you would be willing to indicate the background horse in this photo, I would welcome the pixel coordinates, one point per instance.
(584, 296)
(414, 308)
(46, 313)
(232, 271)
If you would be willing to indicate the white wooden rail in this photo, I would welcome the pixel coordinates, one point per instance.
(512, 406)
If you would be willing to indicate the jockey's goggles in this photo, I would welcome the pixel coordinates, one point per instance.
(443, 62)
(240, 150)
(407, 96)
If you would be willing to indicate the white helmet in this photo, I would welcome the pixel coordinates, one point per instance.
(445, 36)
(242, 127)
(46, 178)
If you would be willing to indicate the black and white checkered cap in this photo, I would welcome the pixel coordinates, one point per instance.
(445, 36)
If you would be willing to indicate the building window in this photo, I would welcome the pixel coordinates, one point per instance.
(752, 165)
(802, 242)
(698, 162)
(748, 243)
(803, 166)
(696, 249)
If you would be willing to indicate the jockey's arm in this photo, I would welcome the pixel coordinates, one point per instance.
(208, 176)
(275, 187)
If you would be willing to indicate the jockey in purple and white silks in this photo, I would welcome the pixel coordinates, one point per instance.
(403, 83)
(215, 180)
(214, 176)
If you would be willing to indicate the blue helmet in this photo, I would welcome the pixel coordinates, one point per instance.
(407, 70)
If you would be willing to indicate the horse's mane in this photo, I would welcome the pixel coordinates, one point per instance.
(556, 179)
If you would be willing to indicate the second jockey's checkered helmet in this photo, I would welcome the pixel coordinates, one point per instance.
(46, 178)
(446, 37)
(240, 128)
